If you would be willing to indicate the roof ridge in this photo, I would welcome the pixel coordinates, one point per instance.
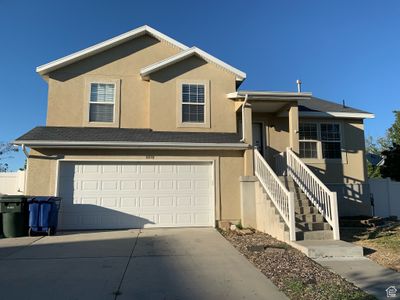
(104, 45)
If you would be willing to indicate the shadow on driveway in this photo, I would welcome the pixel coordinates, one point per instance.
(129, 264)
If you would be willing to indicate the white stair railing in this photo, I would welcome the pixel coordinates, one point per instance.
(316, 191)
(277, 192)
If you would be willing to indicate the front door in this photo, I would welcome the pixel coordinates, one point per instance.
(258, 140)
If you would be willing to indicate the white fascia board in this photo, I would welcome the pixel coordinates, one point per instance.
(331, 114)
(146, 71)
(69, 59)
(130, 145)
(256, 95)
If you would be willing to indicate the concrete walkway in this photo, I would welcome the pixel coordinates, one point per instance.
(130, 264)
(366, 274)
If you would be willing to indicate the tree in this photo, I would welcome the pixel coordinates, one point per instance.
(385, 146)
(373, 149)
(391, 168)
(393, 133)
(5, 149)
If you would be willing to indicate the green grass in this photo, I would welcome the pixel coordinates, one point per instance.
(295, 289)
(390, 240)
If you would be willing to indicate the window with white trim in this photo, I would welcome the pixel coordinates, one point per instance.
(193, 103)
(308, 136)
(101, 102)
(330, 139)
(320, 140)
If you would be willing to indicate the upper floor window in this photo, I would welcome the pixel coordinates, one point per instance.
(308, 136)
(320, 140)
(193, 103)
(330, 139)
(102, 101)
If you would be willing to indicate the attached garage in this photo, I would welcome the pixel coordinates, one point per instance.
(116, 195)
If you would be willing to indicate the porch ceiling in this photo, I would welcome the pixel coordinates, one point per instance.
(268, 106)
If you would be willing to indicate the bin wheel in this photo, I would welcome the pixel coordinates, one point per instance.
(30, 232)
(49, 231)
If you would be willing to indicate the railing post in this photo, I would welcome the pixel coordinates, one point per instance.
(292, 221)
(335, 216)
(288, 161)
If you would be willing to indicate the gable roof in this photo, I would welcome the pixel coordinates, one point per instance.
(146, 71)
(48, 136)
(100, 47)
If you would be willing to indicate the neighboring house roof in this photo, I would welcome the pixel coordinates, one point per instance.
(145, 72)
(123, 137)
(100, 47)
(375, 160)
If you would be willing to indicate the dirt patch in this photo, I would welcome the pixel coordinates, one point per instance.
(291, 271)
(381, 243)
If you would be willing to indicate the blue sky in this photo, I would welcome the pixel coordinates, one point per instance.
(340, 49)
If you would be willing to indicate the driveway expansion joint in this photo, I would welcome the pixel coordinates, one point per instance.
(118, 291)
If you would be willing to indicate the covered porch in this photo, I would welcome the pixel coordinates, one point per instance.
(269, 121)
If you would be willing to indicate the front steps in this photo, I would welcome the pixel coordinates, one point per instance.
(317, 249)
(310, 225)
(314, 236)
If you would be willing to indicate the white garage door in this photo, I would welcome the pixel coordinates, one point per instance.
(110, 195)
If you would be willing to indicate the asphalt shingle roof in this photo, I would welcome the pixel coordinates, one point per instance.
(320, 105)
(86, 134)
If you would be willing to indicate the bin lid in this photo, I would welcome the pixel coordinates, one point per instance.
(44, 199)
(13, 198)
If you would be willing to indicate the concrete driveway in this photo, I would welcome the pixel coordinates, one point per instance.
(129, 264)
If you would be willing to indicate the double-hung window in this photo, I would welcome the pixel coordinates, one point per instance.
(193, 103)
(330, 140)
(308, 136)
(101, 102)
(320, 140)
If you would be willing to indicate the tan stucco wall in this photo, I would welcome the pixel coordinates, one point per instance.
(352, 167)
(164, 95)
(68, 93)
(142, 104)
(42, 171)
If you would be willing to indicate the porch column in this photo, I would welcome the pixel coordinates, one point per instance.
(247, 120)
(294, 128)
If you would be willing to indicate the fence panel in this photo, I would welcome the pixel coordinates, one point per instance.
(386, 197)
(12, 183)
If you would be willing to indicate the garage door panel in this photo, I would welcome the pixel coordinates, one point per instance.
(131, 195)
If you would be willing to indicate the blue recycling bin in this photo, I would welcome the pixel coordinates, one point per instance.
(43, 214)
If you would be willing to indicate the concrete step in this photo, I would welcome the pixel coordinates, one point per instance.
(309, 218)
(313, 226)
(302, 203)
(328, 249)
(306, 210)
(314, 235)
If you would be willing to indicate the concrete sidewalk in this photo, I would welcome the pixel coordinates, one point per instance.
(130, 264)
(366, 274)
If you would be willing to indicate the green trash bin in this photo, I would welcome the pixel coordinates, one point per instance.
(15, 214)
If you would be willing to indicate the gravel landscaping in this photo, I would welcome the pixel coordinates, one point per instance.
(290, 270)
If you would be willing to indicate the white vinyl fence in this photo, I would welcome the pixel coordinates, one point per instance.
(12, 183)
(386, 197)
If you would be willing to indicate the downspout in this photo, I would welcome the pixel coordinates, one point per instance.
(243, 114)
(24, 150)
(26, 170)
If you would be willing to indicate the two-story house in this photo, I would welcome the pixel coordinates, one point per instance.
(143, 131)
